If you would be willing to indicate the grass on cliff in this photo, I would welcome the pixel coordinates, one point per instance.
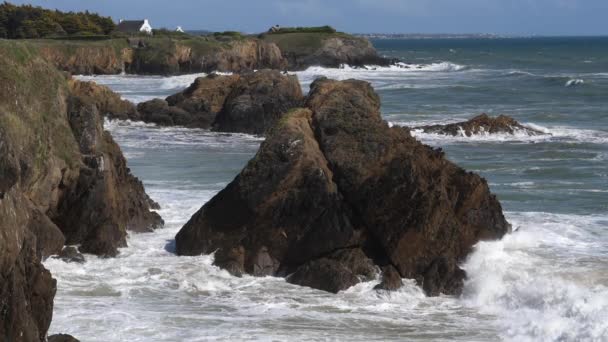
(32, 107)
(68, 47)
(302, 42)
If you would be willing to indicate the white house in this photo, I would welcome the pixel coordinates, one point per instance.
(179, 29)
(134, 26)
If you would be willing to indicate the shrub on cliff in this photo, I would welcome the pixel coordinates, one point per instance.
(313, 29)
(26, 21)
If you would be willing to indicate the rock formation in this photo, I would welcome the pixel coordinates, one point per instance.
(247, 103)
(63, 180)
(108, 103)
(334, 194)
(302, 50)
(166, 56)
(481, 124)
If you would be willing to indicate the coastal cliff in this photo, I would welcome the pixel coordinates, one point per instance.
(335, 194)
(170, 56)
(64, 181)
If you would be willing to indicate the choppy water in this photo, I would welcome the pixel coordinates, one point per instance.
(548, 281)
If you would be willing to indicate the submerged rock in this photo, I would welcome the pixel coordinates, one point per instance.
(71, 254)
(482, 124)
(62, 338)
(334, 191)
(247, 103)
(391, 279)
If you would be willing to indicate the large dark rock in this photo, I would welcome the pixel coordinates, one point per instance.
(258, 101)
(482, 124)
(335, 178)
(26, 287)
(248, 103)
(95, 213)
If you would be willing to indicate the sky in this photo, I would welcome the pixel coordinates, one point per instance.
(508, 17)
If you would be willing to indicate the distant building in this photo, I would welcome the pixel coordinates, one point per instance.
(275, 28)
(179, 29)
(134, 26)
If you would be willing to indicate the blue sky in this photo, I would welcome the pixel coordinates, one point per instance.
(520, 17)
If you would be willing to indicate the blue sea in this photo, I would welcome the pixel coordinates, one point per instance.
(547, 281)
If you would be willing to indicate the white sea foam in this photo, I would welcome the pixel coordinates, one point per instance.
(137, 88)
(396, 76)
(545, 282)
(557, 133)
(574, 82)
(535, 292)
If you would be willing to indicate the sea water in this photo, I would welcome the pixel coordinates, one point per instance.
(547, 281)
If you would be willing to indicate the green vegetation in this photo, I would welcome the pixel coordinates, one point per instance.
(314, 29)
(22, 22)
(32, 95)
(228, 35)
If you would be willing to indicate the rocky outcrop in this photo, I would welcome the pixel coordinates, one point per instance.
(63, 180)
(481, 124)
(257, 102)
(108, 103)
(247, 103)
(167, 57)
(106, 200)
(302, 50)
(334, 192)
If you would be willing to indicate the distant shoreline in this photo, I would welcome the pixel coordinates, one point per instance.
(459, 36)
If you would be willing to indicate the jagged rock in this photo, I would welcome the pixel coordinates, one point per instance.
(95, 214)
(335, 177)
(26, 287)
(62, 338)
(159, 112)
(481, 124)
(49, 238)
(248, 103)
(302, 50)
(63, 178)
(207, 93)
(391, 279)
(71, 254)
(109, 103)
(257, 101)
(335, 272)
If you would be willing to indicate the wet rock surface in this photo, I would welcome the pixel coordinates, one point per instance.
(482, 124)
(248, 103)
(334, 192)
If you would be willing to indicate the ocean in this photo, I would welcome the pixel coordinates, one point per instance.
(547, 281)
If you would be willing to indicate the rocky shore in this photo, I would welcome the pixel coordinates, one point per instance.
(334, 195)
(64, 181)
